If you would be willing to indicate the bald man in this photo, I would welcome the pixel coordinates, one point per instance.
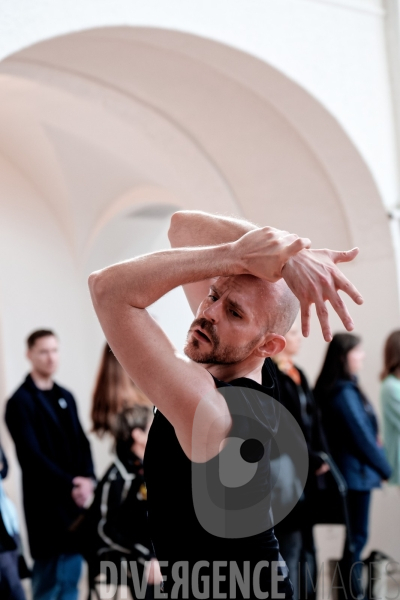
(244, 285)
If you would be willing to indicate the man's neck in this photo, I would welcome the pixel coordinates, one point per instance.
(229, 372)
(43, 382)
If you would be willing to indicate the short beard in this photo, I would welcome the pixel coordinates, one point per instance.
(218, 354)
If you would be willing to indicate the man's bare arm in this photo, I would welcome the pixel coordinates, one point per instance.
(197, 228)
(312, 275)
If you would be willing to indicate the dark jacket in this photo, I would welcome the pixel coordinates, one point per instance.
(115, 527)
(306, 413)
(51, 453)
(300, 403)
(351, 428)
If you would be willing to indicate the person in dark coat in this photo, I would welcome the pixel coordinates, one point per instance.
(57, 469)
(295, 532)
(10, 583)
(115, 529)
(351, 427)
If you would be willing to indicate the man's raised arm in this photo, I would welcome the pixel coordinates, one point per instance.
(312, 275)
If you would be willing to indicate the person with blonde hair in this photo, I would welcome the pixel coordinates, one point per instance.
(390, 402)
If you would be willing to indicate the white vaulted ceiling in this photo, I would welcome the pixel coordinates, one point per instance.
(104, 120)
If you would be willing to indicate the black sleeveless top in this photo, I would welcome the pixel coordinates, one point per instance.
(176, 531)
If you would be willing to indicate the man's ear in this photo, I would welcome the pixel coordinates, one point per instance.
(273, 344)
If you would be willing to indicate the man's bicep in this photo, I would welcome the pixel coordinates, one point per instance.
(171, 381)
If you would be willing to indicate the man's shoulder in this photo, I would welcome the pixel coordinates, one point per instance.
(64, 391)
(21, 402)
(345, 385)
(391, 384)
(23, 392)
(346, 394)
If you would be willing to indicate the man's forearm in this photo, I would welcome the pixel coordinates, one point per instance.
(143, 280)
(196, 228)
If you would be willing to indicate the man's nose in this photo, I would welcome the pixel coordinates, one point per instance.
(213, 311)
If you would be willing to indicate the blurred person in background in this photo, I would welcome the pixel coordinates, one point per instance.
(390, 402)
(352, 432)
(116, 527)
(295, 532)
(10, 583)
(57, 468)
(114, 391)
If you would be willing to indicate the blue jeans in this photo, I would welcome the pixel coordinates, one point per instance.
(56, 578)
(358, 504)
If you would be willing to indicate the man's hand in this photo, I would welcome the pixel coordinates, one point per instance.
(82, 491)
(313, 277)
(154, 576)
(324, 468)
(264, 252)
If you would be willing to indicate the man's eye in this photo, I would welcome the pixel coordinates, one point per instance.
(213, 297)
(235, 314)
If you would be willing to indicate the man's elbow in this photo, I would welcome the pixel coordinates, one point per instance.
(175, 227)
(98, 287)
(183, 225)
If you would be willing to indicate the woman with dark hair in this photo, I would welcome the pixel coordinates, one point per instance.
(351, 428)
(115, 528)
(114, 392)
(390, 401)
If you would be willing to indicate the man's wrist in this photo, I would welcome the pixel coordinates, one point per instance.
(233, 261)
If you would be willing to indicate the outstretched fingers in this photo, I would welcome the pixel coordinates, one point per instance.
(341, 309)
(344, 256)
(314, 278)
(342, 283)
(305, 318)
(323, 316)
